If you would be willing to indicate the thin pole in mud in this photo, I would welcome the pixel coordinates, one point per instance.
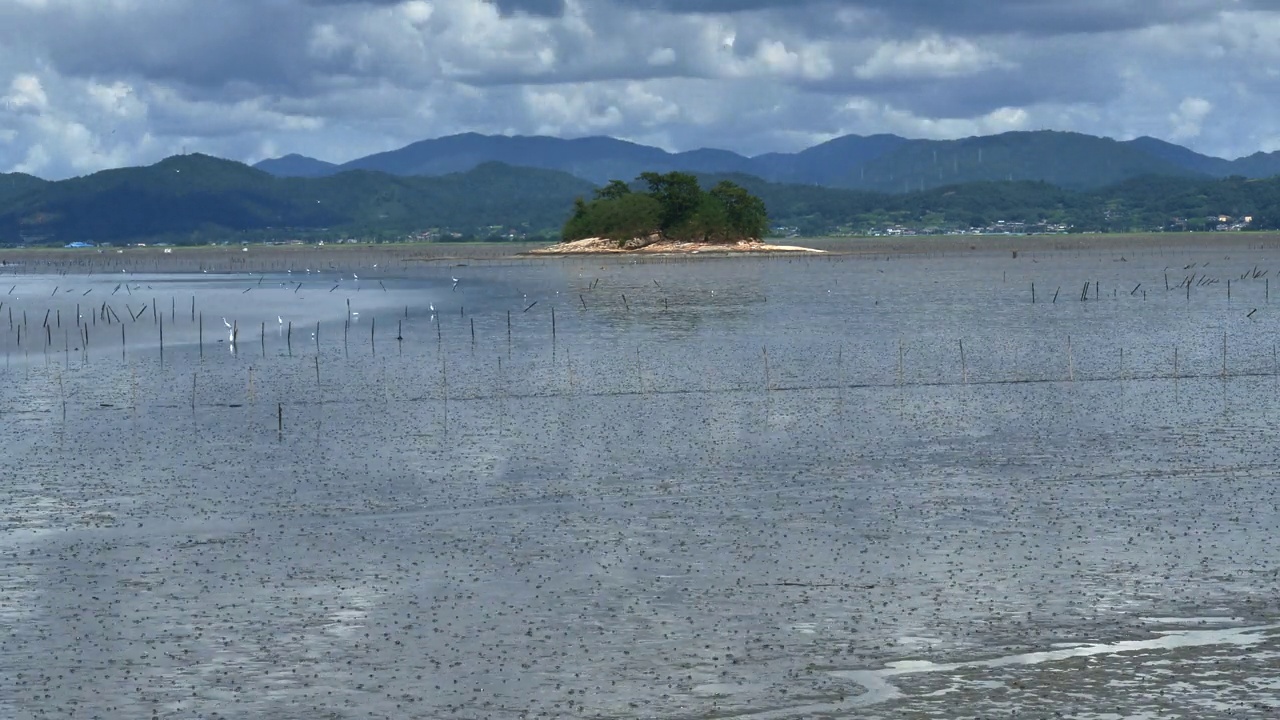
(193, 308)
(1097, 284)
(1267, 286)
(901, 357)
(173, 309)
(373, 325)
(406, 310)
(639, 372)
(1071, 362)
(154, 315)
(318, 377)
(964, 369)
(162, 340)
(201, 330)
(553, 324)
(473, 333)
(1188, 291)
(280, 420)
(122, 355)
(1166, 281)
(288, 338)
(1224, 354)
(193, 391)
(1228, 289)
(625, 303)
(1175, 362)
(508, 328)
(262, 337)
(348, 310)
(317, 338)
(584, 301)
(764, 353)
(1033, 293)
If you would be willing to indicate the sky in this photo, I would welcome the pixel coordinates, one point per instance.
(93, 84)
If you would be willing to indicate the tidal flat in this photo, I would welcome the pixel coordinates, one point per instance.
(851, 486)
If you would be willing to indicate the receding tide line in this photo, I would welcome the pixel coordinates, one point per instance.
(879, 689)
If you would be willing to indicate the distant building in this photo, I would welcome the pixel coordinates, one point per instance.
(79, 244)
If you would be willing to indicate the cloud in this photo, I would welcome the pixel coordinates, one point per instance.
(90, 85)
(1189, 118)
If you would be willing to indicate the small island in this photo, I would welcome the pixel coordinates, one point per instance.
(675, 216)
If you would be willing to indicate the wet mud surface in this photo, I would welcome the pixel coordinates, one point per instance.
(751, 488)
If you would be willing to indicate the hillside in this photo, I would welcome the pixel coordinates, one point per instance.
(294, 165)
(14, 184)
(885, 163)
(196, 197)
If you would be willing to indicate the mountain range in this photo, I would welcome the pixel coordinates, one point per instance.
(881, 163)
(196, 199)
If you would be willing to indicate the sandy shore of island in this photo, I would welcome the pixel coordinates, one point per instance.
(593, 246)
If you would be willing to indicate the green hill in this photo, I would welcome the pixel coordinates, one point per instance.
(1068, 160)
(196, 197)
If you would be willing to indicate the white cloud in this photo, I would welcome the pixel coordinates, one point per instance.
(930, 56)
(1189, 118)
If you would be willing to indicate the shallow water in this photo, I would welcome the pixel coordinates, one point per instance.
(756, 487)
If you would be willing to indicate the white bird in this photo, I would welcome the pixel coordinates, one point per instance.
(355, 276)
(224, 322)
(455, 282)
(279, 319)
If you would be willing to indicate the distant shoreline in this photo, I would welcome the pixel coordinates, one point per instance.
(412, 257)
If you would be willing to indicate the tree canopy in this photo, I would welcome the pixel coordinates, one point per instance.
(674, 208)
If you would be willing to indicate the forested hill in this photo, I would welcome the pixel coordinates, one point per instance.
(195, 198)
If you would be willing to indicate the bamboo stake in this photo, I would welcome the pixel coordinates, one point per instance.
(1071, 363)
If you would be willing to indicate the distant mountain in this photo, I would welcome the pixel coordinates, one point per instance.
(1068, 160)
(14, 184)
(294, 165)
(1257, 165)
(196, 196)
(885, 163)
(831, 163)
(598, 159)
(1187, 159)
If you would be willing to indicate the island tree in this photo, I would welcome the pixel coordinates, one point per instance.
(675, 207)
